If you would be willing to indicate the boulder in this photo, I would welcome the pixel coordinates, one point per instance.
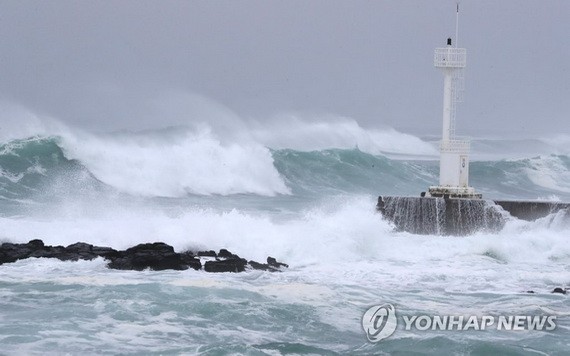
(210, 253)
(228, 265)
(191, 261)
(262, 266)
(10, 252)
(273, 263)
(156, 256)
(78, 251)
(105, 252)
(226, 254)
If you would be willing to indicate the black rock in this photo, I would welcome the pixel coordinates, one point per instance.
(106, 252)
(80, 247)
(78, 251)
(229, 265)
(191, 261)
(156, 256)
(210, 253)
(226, 254)
(36, 244)
(273, 263)
(49, 252)
(10, 252)
(262, 266)
(559, 290)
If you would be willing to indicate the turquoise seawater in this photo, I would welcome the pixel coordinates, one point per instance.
(313, 209)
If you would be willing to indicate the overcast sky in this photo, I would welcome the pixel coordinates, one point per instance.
(106, 65)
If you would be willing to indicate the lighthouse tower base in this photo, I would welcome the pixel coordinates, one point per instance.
(453, 192)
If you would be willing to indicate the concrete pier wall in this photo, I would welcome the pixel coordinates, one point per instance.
(439, 216)
(531, 210)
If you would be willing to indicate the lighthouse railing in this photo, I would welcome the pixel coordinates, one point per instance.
(455, 146)
(450, 57)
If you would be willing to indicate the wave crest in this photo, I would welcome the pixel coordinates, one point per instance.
(185, 163)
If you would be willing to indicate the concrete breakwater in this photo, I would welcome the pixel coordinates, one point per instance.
(453, 216)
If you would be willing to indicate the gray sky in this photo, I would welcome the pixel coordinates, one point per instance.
(106, 65)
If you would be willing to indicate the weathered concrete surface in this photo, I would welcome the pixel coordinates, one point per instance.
(531, 210)
(439, 216)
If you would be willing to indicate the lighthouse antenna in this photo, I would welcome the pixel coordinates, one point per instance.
(457, 26)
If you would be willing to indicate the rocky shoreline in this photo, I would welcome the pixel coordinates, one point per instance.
(156, 256)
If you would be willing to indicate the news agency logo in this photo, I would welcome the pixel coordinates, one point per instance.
(380, 321)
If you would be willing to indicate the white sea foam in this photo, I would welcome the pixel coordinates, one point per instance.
(561, 142)
(299, 131)
(350, 228)
(199, 161)
(188, 163)
(213, 152)
(549, 172)
(343, 228)
(343, 257)
(318, 133)
(14, 178)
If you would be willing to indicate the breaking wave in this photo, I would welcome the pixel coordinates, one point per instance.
(178, 163)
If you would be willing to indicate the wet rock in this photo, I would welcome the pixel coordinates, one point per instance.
(226, 262)
(105, 252)
(10, 252)
(49, 252)
(155, 256)
(273, 263)
(226, 254)
(262, 266)
(559, 290)
(78, 251)
(228, 265)
(210, 253)
(190, 260)
(35, 244)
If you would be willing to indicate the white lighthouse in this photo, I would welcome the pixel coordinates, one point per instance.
(454, 151)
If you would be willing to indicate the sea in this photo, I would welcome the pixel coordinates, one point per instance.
(303, 192)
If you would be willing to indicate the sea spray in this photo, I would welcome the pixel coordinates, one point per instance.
(196, 163)
(343, 256)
